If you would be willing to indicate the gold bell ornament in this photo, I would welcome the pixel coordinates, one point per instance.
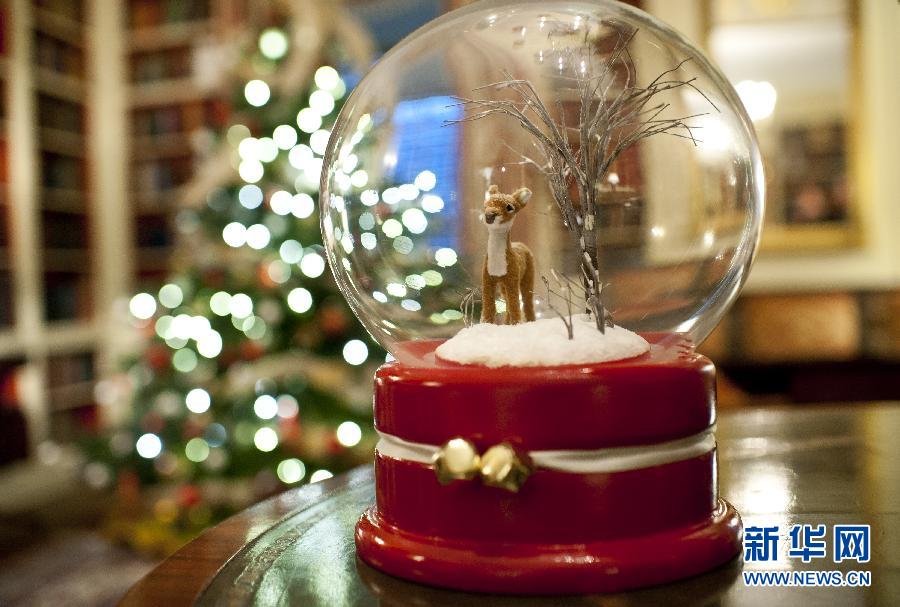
(505, 468)
(457, 459)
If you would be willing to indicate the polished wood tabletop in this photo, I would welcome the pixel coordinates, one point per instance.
(779, 467)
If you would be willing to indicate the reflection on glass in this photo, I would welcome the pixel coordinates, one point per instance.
(791, 64)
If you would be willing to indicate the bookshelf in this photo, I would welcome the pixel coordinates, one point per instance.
(6, 286)
(67, 243)
(168, 104)
(102, 102)
(48, 324)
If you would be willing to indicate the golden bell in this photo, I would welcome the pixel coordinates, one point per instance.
(503, 467)
(456, 460)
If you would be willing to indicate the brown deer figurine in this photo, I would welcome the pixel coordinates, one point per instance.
(508, 264)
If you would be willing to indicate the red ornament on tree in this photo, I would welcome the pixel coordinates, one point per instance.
(333, 319)
(158, 357)
(188, 496)
(251, 349)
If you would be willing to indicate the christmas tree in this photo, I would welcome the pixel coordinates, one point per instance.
(254, 375)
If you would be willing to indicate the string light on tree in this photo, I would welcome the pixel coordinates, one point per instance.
(196, 450)
(318, 141)
(445, 257)
(171, 296)
(290, 251)
(142, 306)
(265, 407)
(265, 439)
(267, 150)
(273, 43)
(300, 300)
(281, 202)
(285, 136)
(257, 93)
(184, 360)
(309, 120)
(209, 344)
(291, 471)
(355, 352)
(250, 196)
(300, 155)
(392, 228)
(312, 265)
(240, 305)
(425, 181)
(248, 149)
(321, 102)
(251, 170)
(220, 303)
(148, 446)
(327, 78)
(197, 400)
(349, 434)
(303, 206)
(288, 407)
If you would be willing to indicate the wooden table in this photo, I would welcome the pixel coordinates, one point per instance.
(818, 465)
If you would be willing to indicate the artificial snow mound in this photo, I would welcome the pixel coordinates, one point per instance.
(541, 343)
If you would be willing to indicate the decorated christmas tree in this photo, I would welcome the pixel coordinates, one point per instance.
(253, 374)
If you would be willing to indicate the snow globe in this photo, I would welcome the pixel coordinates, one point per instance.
(540, 208)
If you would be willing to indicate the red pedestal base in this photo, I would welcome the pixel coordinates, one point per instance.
(532, 568)
(563, 532)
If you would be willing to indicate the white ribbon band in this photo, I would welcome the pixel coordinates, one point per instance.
(613, 459)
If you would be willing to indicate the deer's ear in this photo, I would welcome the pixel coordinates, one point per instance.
(522, 196)
(494, 189)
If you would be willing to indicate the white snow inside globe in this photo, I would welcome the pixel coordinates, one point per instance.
(518, 167)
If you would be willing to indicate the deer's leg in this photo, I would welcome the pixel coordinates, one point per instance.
(511, 295)
(526, 285)
(488, 305)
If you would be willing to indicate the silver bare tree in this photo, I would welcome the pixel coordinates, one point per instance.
(614, 113)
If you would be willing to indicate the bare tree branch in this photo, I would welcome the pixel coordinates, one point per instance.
(613, 115)
(566, 296)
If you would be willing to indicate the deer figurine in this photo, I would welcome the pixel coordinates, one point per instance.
(508, 264)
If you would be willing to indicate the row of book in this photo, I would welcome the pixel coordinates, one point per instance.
(7, 316)
(64, 234)
(70, 368)
(67, 295)
(4, 232)
(183, 118)
(58, 55)
(154, 13)
(13, 432)
(60, 114)
(70, 9)
(162, 174)
(71, 396)
(61, 171)
(64, 230)
(153, 231)
(163, 64)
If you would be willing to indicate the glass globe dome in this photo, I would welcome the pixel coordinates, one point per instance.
(644, 181)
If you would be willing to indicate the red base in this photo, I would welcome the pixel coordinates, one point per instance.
(562, 533)
(534, 568)
(551, 508)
